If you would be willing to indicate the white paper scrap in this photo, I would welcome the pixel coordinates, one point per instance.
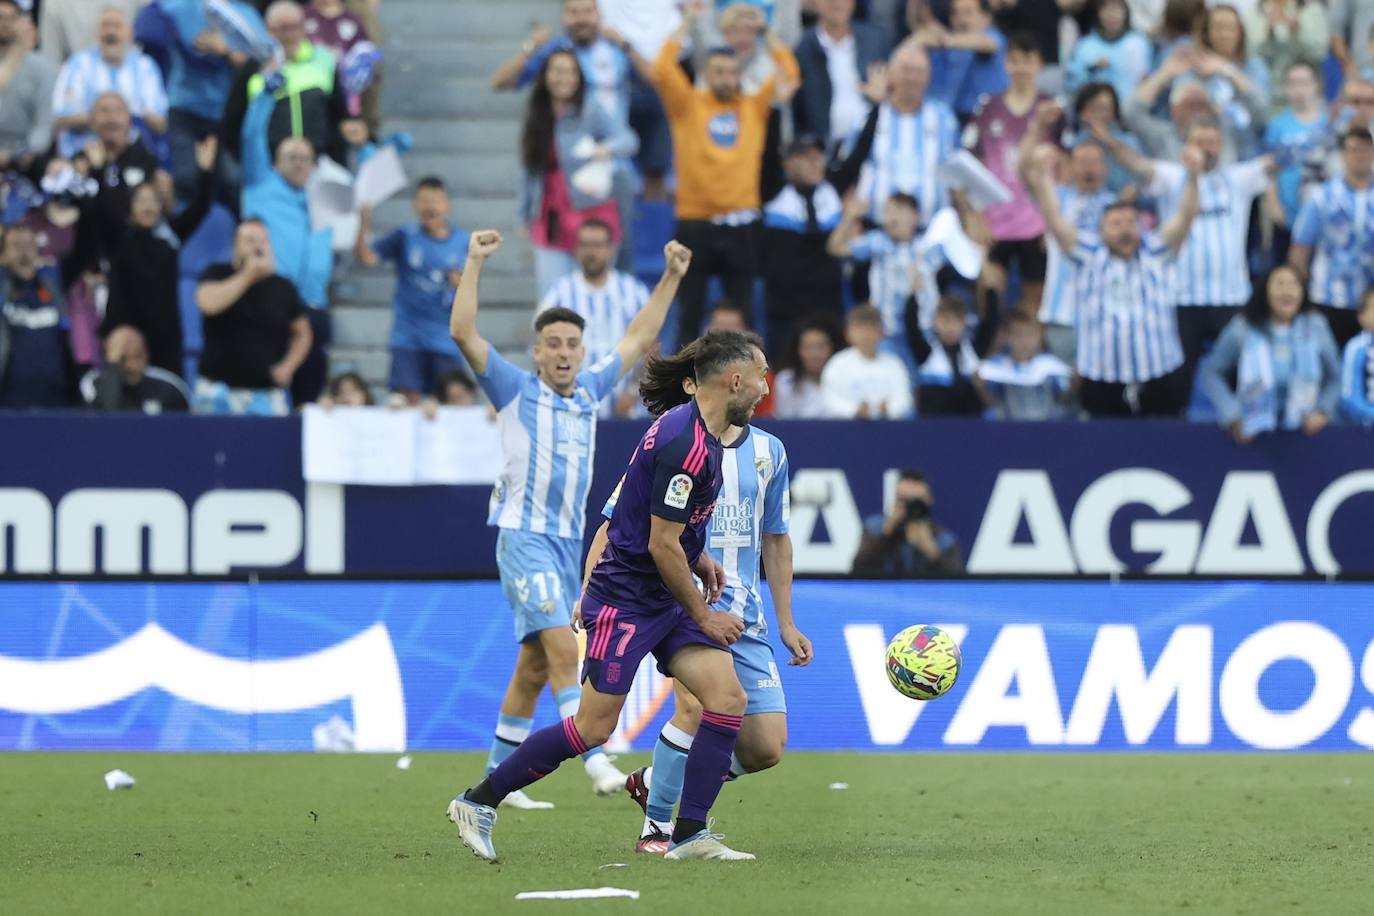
(962, 172)
(839, 785)
(581, 893)
(118, 779)
(403, 763)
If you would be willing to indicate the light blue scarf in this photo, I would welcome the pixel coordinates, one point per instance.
(1256, 386)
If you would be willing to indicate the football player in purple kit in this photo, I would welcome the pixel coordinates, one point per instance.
(642, 597)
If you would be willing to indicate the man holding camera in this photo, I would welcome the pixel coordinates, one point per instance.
(908, 542)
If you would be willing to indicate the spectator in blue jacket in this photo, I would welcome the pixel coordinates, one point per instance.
(835, 56)
(429, 255)
(274, 192)
(1111, 53)
(1284, 360)
(202, 62)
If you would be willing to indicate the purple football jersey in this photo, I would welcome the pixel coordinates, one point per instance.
(675, 474)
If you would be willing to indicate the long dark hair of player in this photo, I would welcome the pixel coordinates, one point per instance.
(669, 381)
(536, 137)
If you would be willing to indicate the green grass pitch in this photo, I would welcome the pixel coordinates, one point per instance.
(960, 833)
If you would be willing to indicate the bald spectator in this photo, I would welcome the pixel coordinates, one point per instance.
(308, 101)
(119, 162)
(26, 81)
(128, 382)
(113, 65)
(1164, 137)
(274, 192)
(718, 138)
(66, 26)
(835, 56)
(256, 332)
(914, 134)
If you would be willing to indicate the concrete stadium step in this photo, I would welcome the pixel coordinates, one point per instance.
(366, 329)
(476, 135)
(408, 21)
(375, 288)
(447, 95)
(363, 327)
(471, 58)
(470, 174)
(468, 212)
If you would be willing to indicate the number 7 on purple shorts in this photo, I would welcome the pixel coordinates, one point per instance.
(618, 638)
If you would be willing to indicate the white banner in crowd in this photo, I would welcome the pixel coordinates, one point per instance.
(399, 448)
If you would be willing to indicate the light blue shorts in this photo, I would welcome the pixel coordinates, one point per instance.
(758, 675)
(541, 576)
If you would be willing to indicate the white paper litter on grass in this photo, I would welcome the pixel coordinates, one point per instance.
(839, 785)
(403, 763)
(118, 779)
(581, 893)
(615, 865)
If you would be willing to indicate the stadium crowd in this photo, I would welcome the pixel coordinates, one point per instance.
(1019, 209)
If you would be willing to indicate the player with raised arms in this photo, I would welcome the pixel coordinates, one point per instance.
(642, 598)
(547, 420)
(749, 526)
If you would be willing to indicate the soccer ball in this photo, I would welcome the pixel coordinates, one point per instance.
(923, 662)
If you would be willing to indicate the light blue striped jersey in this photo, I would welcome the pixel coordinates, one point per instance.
(754, 500)
(906, 156)
(1213, 268)
(548, 443)
(889, 280)
(86, 75)
(1083, 211)
(1337, 222)
(1127, 328)
(1357, 379)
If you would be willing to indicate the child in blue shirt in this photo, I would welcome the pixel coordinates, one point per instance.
(429, 255)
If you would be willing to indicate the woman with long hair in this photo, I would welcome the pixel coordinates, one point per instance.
(1111, 53)
(797, 388)
(1237, 83)
(568, 147)
(1288, 374)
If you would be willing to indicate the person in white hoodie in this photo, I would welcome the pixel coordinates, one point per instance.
(861, 382)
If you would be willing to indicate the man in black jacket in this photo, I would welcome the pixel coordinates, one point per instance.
(835, 56)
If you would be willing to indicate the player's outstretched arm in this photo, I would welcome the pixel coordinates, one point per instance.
(665, 546)
(777, 565)
(1175, 230)
(644, 329)
(462, 320)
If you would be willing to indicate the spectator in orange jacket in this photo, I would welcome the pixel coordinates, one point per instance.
(718, 138)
